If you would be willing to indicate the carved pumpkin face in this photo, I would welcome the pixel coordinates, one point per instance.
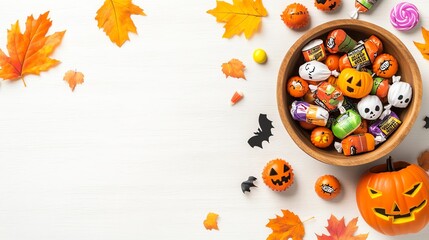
(355, 84)
(322, 137)
(327, 187)
(278, 175)
(393, 198)
(327, 5)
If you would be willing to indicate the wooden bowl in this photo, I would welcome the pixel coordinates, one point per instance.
(358, 30)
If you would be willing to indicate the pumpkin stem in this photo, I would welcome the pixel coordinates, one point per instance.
(389, 163)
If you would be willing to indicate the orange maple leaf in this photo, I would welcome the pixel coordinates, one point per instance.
(211, 221)
(241, 16)
(288, 226)
(29, 51)
(424, 47)
(115, 19)
(73, 78)
(339, 230)
(234, 68)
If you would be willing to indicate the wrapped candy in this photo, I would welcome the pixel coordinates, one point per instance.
(362, 6)
(302, 111)
(314, 50)
(404, 16)
(380, 87)
(328, 96)
(385, 65)
(399, 95)
(356, 144)
(374, 39)
(339, 41)
(370, 107)
(362, 55)
(346, 124)
(383, 128)
(315, 71)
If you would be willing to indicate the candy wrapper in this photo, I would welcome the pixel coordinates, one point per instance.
(346, 124)
(380, 87)
(328, 96)
(362, 55)
(356, 144)
(383, 128)
(302, 111)
(399, 95)
(314, 50)
(339, 41)
(315, 71)
(362, 6)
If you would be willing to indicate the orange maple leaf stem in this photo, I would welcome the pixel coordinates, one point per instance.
(23, 81)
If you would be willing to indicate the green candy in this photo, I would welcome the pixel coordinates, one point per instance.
(346, 123)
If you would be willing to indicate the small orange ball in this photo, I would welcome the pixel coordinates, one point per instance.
(333, 62)
(295, 16)
(327, 187)
(297, 87)
(385, 65)
(278, 174)
(322, 137)
(307, 126)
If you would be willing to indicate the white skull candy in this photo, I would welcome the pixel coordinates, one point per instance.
(400, 94)
(370, 107)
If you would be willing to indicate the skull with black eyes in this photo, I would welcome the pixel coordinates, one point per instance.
(400, 94)
(370, 107)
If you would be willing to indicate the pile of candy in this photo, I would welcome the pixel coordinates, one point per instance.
(346, 90)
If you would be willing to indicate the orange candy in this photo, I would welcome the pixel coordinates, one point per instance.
(297, 87)
(333, 62)
(327, 187)
(295, 16)
(385, 65)
(322, 137)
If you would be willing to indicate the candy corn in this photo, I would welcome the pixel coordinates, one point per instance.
(236, 97)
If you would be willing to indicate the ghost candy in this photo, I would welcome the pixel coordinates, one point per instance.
(383, 128)
(399, 95)
(315, 71)
(346, 124)
(370, 107)
(303, 111)
(339, 41)
(362, 6)
(356, 144)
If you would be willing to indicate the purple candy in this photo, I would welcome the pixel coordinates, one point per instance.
(383, 128)
(305, 112)
(404, 16)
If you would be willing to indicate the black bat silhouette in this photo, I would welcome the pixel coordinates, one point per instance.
(245, 186)
(263, 133)
(426, 119)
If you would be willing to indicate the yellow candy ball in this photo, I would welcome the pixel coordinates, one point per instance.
(259, 56)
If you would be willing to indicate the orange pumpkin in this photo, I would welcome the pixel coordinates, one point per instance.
(297, 87)
(278, 175)
(354, 84)
(327, 187)
(295, 16)
(385, 65)
(322, 137)
(393, 198)
(327, 5)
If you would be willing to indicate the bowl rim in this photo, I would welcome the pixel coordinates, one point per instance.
(383, 149)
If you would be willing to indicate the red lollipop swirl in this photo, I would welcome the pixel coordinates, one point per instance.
(404, 16)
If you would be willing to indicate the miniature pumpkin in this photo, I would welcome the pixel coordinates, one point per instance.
(322, 137)
(355, 84)
(393, 198)
(278, 175)
(385, 65)
(327, 5)
(327, 187)
(297, 87)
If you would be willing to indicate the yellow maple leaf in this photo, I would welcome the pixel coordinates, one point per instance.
(29, 51)
(115, 19)
(233, 68)
(424, 47)
(289, 226)
(73, 78)
(241, 16)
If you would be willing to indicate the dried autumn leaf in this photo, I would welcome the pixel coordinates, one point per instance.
(423, 160)
(115, 19)
(424, 47)
(211, 221)
(339, 230)
(73, 78)
(288, 226)
(241, 16)
(29, 51)
(234, 68)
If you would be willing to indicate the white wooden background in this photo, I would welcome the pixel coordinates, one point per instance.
(149, 144)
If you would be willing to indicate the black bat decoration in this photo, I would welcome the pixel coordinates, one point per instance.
(245, 186)
(426, 119)
(263, 133)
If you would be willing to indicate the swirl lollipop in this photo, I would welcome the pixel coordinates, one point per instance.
(404, 16)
